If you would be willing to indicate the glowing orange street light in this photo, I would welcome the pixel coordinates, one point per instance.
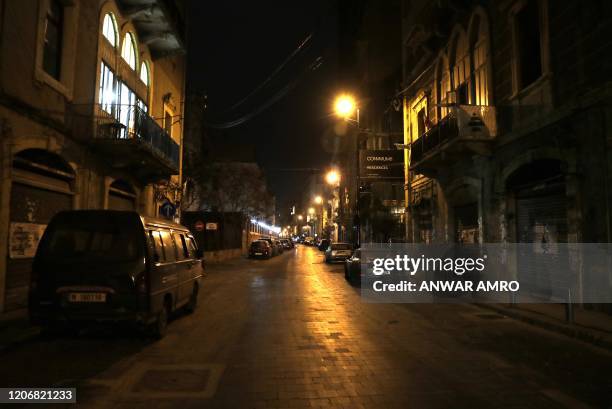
(332, 177)
(345, 106)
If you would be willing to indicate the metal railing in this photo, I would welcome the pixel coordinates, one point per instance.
(473, 122)
(446, 129)
(125, 122)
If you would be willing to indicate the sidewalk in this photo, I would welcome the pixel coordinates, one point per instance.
(15, 328)
(594, 327)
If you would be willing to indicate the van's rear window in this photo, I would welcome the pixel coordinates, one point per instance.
(107, 239)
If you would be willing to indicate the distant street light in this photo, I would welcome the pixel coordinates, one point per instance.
(311, 210)
(332, 177)
(300, 217)
(318, 200)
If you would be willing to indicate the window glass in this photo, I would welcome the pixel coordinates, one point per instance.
(127, 99)
(106, 95)
(109, 29)
(128, 50)
(169, 248)
(159, 248)
(530, 56)
(181, 248)
(144, 73)
(192, 247)
(52, 52)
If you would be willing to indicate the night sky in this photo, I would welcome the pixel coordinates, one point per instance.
(234, 47)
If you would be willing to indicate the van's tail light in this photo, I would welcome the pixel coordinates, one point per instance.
(141, 283)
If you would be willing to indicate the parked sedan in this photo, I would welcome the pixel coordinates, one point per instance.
(287, 244)
(352, 267)
(279, 246)
(324, 244)
(338, 252)
(273, 246)
(260, 249)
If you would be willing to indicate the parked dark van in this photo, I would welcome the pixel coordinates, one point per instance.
(106, 265)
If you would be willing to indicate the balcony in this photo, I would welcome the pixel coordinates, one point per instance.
(133, 141)
(465, 131)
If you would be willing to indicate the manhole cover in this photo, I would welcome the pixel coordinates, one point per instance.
(173, 380)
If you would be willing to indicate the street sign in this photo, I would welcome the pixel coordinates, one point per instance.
(211, 226)
(199, 225)
(381, 164)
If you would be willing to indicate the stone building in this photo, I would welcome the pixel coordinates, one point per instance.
(91, 97)
(507, 115)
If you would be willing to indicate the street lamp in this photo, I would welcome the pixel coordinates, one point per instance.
(332, 177)
(318, 200)
(345, 106)
(300, 217)
(311, 210)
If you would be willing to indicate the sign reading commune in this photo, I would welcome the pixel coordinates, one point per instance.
(381, 164)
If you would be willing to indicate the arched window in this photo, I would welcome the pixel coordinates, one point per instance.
(479, 89)
(128, 50)
(144, 73)
(109, 29)
(459, 67)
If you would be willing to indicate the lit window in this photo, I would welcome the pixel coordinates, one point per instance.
(479, 89)
(106, 92)
(109, 29)
(144, 73)
(459, 60)
(128, 51)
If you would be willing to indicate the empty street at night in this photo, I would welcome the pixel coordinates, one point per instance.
(291, 332)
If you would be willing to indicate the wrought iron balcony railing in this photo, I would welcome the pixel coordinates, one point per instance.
(472, 123)
(132, 123)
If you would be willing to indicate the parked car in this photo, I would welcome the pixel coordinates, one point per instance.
(352, 267)
(287, 244)
(338, 252)
(280, 246)
(106, 265)
(260, 249)
(308, 241)
(273, 246)
(324, 244)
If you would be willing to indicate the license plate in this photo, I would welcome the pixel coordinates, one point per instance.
(87, 297)
(258, 254)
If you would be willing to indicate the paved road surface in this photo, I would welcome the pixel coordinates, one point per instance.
(291, 333)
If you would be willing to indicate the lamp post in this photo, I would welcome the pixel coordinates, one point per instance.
(345, 107)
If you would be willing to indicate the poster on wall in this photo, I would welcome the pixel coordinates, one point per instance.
(24, 239)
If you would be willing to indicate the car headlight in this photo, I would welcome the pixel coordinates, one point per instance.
(333, 253)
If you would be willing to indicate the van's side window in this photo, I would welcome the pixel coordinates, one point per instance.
(168, 246)
(159, 248)
(182, 252)
(192, 247)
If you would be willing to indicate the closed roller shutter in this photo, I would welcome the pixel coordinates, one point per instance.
(31, 210)
(542, 221)
(41, 187)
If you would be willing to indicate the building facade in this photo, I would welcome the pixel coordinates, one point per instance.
(90, 117)
(507, 115)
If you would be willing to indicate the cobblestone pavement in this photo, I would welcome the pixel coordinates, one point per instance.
(291, 333)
